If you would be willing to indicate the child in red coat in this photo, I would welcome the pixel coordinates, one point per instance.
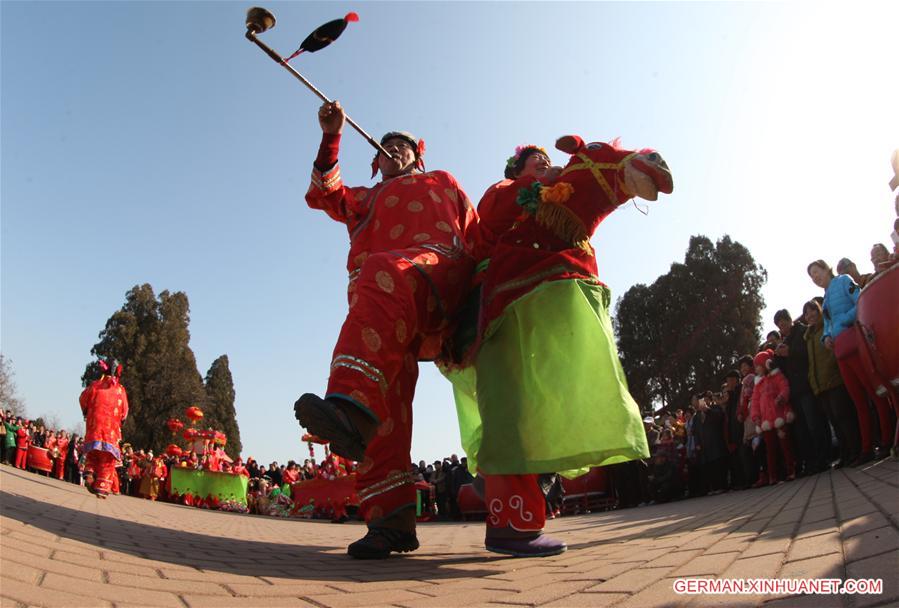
(772, 414)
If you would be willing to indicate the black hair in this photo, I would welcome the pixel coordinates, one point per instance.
(512, 171)
(820, 264)
(782, 314)
(813, 303)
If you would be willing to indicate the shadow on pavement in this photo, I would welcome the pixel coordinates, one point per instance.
(229, 555)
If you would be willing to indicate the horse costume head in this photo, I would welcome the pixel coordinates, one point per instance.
(598, 178)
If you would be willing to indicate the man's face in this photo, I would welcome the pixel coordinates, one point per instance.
(402, 157)
(878, 255)
(784, 325)
(730, 383)
(820, 277)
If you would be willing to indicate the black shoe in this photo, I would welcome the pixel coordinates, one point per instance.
(323, 418)
(380, 542)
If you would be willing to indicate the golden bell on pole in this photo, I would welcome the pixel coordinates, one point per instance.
(259, 20)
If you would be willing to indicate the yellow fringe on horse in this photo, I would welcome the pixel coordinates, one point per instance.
(559, 219)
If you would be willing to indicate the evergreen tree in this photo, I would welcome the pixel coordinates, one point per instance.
(149, 337)
(680, 334)
(220, 403)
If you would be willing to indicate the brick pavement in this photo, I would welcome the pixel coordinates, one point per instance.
(60, 546)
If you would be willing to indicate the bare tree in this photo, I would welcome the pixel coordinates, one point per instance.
(52, 422)
(9, 399)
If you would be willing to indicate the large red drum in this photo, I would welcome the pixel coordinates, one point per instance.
(470, 504)
(39, 459)
(877, 313)
(339, 491)
(589, 492)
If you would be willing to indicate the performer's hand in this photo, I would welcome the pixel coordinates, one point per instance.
(331, 117)
(552, 173)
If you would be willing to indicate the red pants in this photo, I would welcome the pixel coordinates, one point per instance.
(21, 457)
(514, 501)
(103, 465)
(861, 385)
(772, 438)
(396, 302)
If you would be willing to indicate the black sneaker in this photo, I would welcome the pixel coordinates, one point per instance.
(379, 543)
(324, 418)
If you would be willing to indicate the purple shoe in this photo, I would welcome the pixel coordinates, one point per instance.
(538, 546)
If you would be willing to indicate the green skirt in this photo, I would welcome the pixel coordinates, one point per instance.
(547, 392)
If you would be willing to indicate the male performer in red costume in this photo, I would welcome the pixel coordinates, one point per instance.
(409, 265)
(104, 405)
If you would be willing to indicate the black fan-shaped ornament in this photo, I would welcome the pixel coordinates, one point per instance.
(324, 35)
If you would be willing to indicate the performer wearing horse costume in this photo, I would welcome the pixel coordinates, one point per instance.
(542, 390)
(105, 406)
(409, 266)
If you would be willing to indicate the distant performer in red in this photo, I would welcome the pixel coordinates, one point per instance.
(105, 406)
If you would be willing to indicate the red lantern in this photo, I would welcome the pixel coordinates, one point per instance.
(173, 450)
(174, 425)
(220, 438)
(194, 413)
(189, 434)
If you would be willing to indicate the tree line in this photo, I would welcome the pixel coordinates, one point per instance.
(149, 336)
(680, 334)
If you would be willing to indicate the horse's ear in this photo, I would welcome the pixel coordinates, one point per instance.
(570, 144)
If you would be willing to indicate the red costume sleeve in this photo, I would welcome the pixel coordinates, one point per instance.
(327, 191)
(124, 403)
(85, 399)
(755, 404)
(327, 151)
(468, 217)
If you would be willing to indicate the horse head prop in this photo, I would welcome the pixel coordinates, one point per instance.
(598, 178)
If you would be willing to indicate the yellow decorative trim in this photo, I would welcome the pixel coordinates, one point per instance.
(392, 482)
(363, 367)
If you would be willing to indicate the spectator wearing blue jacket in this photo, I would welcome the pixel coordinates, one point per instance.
(841, 335)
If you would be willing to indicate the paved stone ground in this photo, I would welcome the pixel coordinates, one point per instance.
(60, 546)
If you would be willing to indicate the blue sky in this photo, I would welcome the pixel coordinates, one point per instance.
(149, 142)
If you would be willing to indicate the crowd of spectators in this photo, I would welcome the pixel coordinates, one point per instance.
(439, 485)
(803, 403)
(18, 434)
(143, 474)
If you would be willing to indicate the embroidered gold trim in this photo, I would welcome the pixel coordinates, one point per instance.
(363, 367)
(391, 482)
